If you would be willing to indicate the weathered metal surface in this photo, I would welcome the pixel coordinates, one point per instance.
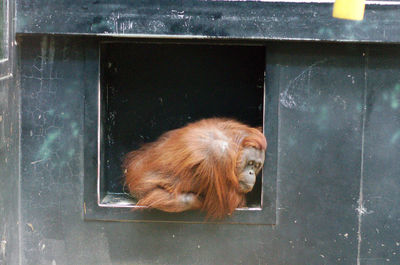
(336, 162)
(9, 142)
(333, 116)
(380, 226)
(9, 181)
(203, 19)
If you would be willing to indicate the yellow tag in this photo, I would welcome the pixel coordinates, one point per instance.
(349, 9)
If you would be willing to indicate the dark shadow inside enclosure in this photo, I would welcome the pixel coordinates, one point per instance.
(148, 89)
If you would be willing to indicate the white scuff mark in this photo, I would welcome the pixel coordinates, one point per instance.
(361, 209)
(41, 78)
(157, 26)
(42, 246)
(54, 262)
(125, 25)
(322, 256)
(178, 12)
(6, 77)
(346, 235)
(114, 21)
(3, 244)
(37, 161)
(294, 98)
(398, 244)
(287, 100)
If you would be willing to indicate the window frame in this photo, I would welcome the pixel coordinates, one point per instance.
(115, 209)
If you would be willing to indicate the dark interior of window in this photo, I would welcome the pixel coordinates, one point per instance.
(148, 89)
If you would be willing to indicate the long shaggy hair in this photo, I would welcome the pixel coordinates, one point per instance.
(201, 158)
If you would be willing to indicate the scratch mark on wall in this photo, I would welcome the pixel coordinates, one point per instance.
(3, 243)
(361, 210)
(42, 246)
(295, 94)
(37, 161)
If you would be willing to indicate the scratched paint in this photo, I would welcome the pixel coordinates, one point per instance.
(298, 91)
(236, 19)
(325, 207)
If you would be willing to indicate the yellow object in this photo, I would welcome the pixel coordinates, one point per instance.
(349, 9)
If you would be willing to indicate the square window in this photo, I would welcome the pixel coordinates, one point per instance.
(147, 89)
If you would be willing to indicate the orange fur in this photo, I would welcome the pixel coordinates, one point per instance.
(200, 158)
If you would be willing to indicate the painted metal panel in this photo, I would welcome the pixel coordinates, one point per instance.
(267, 20)
(325, 109)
